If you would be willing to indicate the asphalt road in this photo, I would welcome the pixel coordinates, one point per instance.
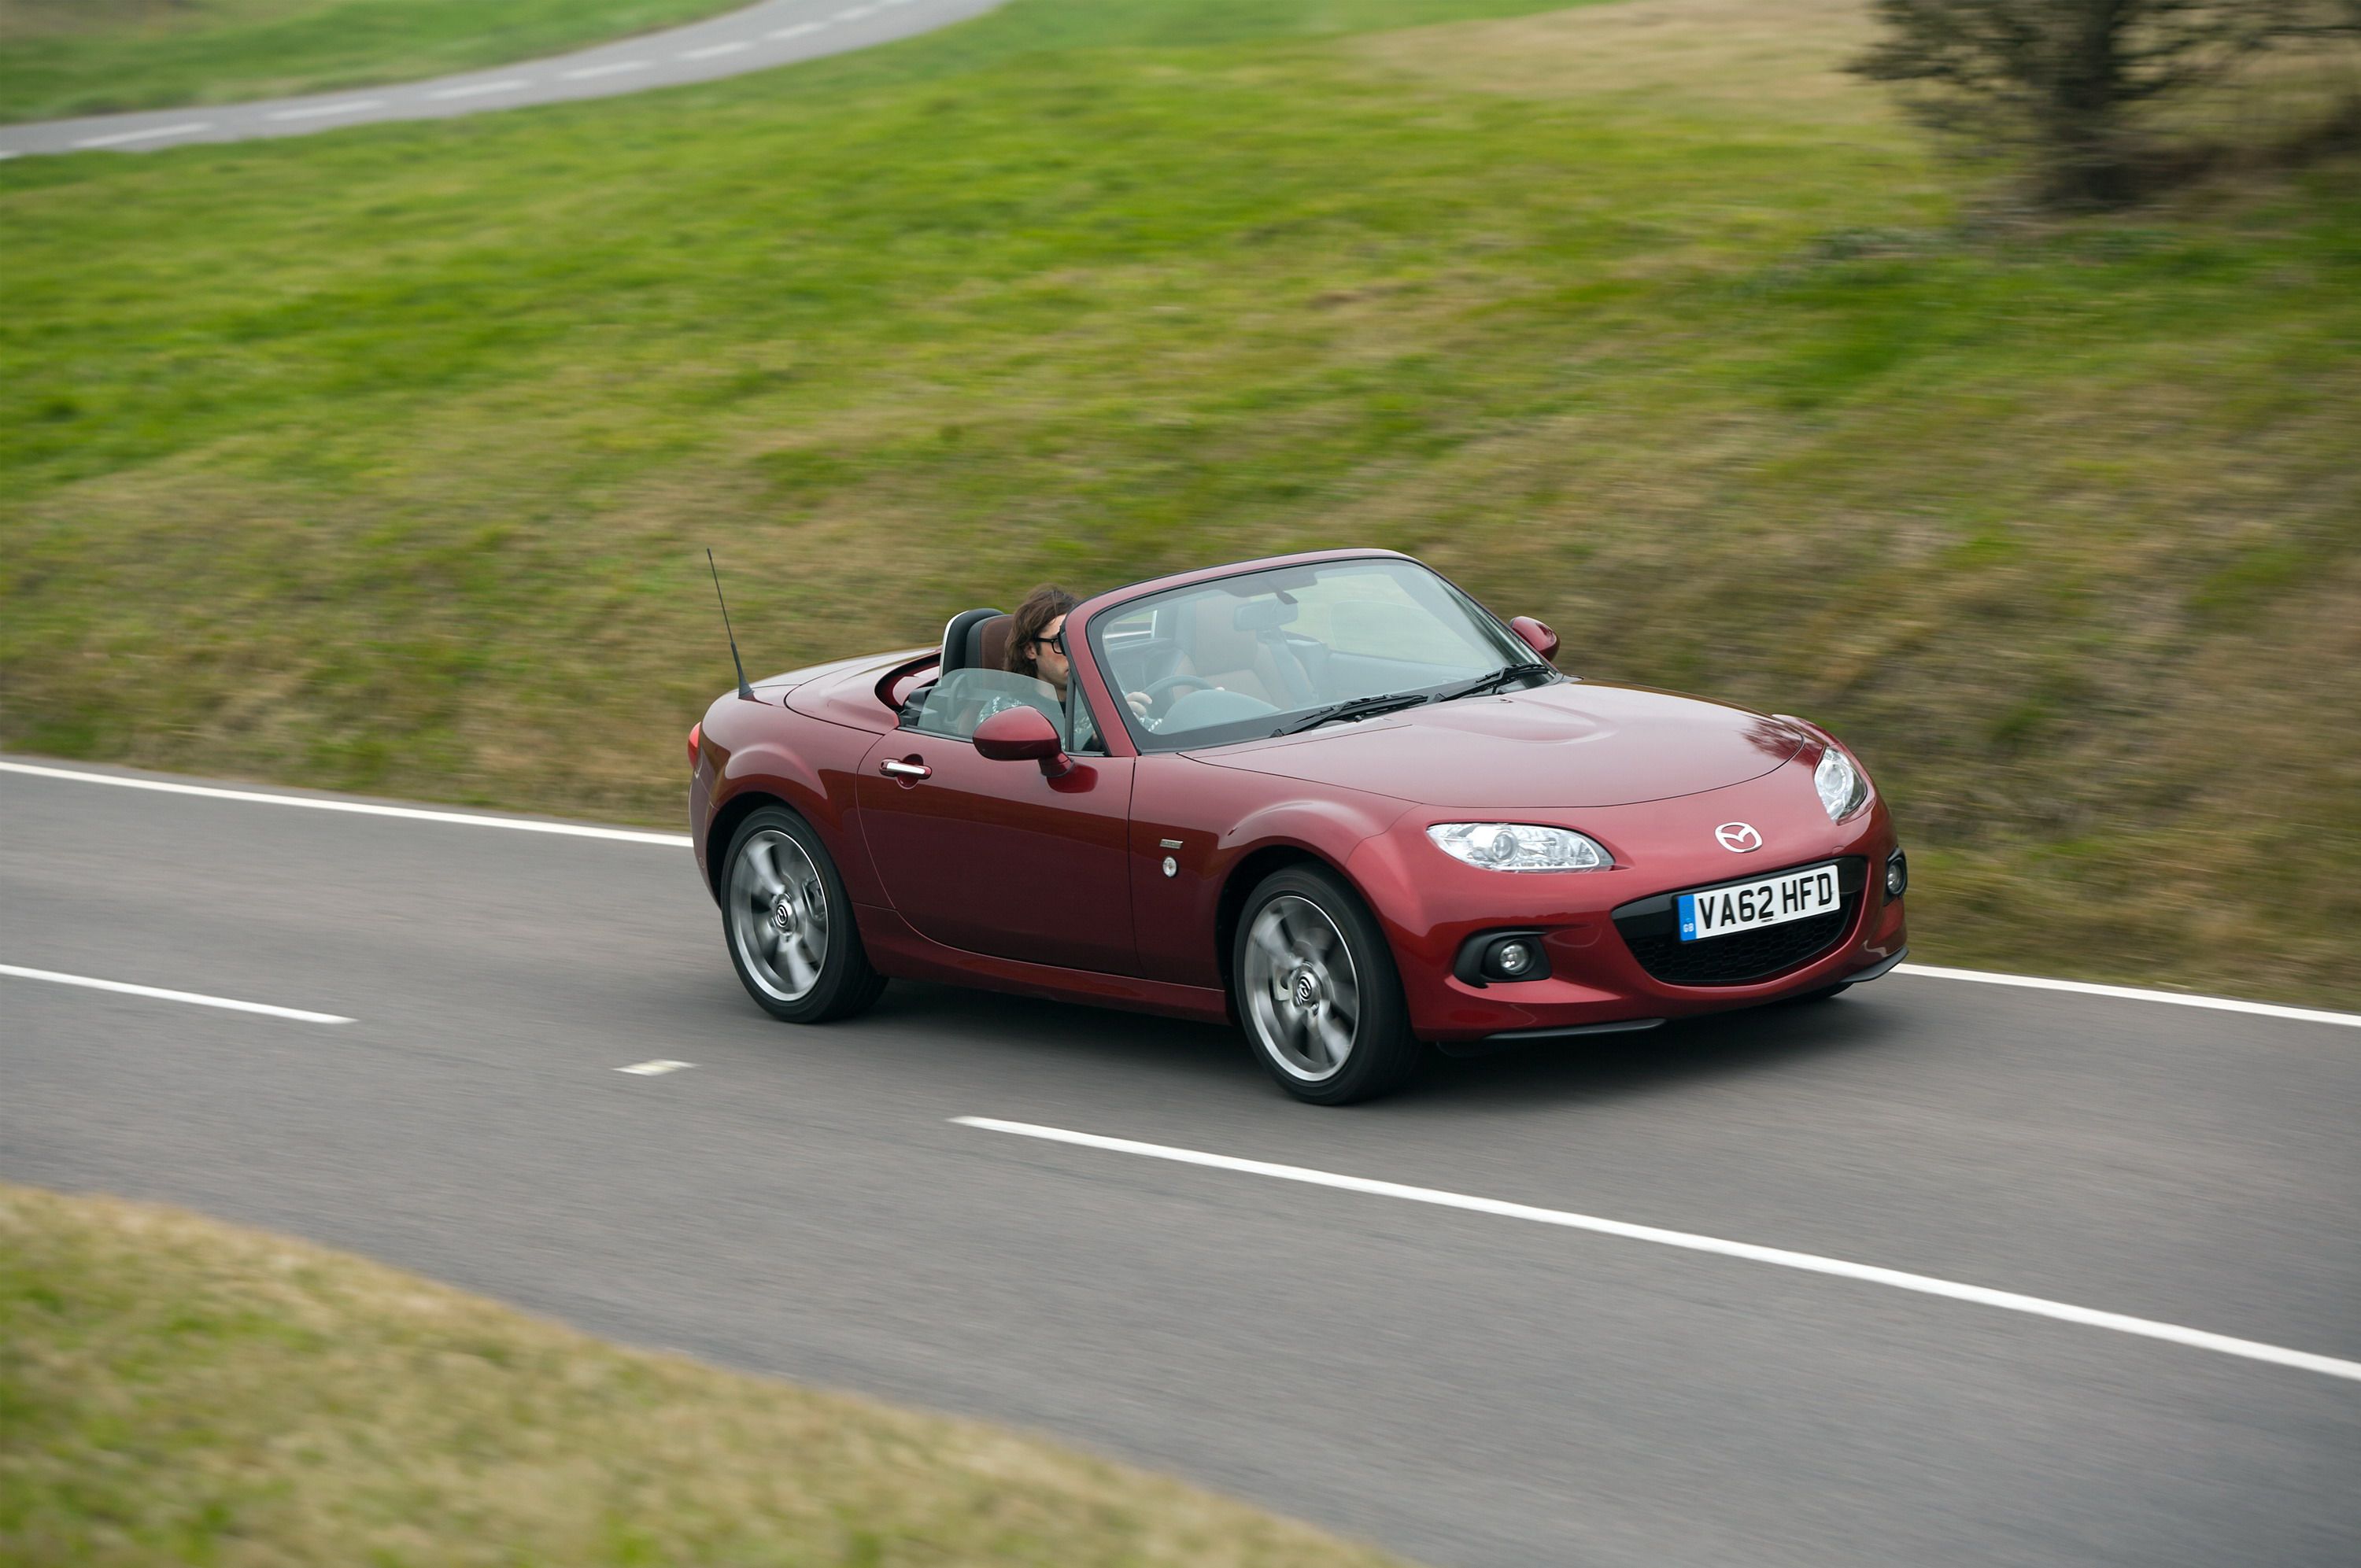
(774, 33)
(1465, 1388)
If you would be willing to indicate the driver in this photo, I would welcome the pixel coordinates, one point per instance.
(1037, 643)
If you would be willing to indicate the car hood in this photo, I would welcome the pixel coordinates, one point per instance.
(1569, 744)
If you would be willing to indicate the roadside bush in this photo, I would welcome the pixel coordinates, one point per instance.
(2081, 88)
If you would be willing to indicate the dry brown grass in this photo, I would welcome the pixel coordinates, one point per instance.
(1754, 53)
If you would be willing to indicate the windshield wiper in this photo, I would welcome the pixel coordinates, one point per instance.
(1391, 702)
(1360, 707)
(1495, 681)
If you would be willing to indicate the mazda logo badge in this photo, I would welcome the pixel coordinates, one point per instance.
(1738, 837)
(1304, 990)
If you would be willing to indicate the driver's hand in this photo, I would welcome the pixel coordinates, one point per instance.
(1139, 701)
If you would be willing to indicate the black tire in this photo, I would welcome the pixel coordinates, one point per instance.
(1300, 981)
(780, 913)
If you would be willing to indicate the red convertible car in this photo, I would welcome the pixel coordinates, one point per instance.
(1329, 797)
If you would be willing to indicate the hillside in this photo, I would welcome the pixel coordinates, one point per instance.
(384, 459)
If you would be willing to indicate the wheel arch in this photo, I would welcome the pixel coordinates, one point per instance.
(792, 769)
(726, 820)
(1244, 877)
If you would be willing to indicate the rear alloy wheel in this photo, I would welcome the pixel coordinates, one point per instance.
(1317, 992)
(789, 923)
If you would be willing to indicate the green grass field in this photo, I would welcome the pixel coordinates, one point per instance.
(181, 1392)
(93, 57)
(383, 459)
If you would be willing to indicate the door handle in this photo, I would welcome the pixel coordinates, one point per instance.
(896, 768)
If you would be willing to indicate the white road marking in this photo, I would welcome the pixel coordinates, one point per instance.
(313, 112)
(682, 842)
(363, 808)
(298, 1014)
(655, 1069)
(2134, 993)
(477, 89)
(474, 90)
(123, 139)
(2007, 1300)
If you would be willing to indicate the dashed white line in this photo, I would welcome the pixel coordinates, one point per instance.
(854, 13)
(621, 66)
(160, 995)
(1927, 1285)
(798, 31)
(123, 139)
(714, 51)
(363, 808)
(477, 89)
(317, 111)
(655, 1069)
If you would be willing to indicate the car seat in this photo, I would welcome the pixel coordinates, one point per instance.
(964, 640)
(1255, 662)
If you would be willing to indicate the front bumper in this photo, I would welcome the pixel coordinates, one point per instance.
(1606, 970)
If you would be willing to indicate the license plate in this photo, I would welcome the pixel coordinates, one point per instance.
(1766, 901)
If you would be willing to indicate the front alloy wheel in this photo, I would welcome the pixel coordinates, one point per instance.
(1317, 992)
(1300, 989)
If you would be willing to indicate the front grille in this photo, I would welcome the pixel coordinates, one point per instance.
(1744, 958)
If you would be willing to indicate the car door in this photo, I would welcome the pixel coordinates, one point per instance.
(995, 857)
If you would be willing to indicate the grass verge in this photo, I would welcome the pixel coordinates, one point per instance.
(383, 459)
(60, 58)
(179, 1391)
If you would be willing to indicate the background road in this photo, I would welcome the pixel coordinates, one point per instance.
(1465, 1388)
(776, 32)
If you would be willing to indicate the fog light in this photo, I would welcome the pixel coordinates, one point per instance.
(1897, 874)
(1512, 955)
(1489, 957)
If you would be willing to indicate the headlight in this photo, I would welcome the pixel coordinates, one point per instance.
(1841, 786)
(1518, 847)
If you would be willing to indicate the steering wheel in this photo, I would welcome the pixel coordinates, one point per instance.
(1156, 691)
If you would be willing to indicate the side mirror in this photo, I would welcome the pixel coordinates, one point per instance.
(1022, 735)
(1538, 636)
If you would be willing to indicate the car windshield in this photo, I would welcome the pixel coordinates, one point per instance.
(1265, 651)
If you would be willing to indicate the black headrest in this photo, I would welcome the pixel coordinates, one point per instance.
(961, 642)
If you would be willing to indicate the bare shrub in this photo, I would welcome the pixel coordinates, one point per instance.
(2071, 84)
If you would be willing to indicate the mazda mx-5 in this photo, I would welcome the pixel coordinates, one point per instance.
(1328, 798)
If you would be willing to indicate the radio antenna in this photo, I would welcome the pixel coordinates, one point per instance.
(745, 692)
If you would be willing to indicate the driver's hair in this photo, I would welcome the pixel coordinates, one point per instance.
(1042, 606)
